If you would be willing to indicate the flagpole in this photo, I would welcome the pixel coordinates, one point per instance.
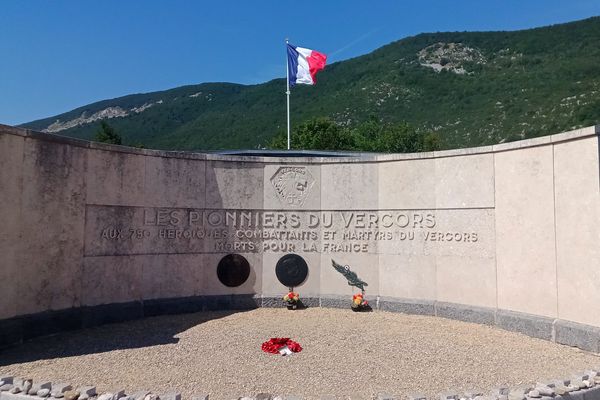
(287, 75)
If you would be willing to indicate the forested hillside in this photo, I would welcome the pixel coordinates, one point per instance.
(471, 88)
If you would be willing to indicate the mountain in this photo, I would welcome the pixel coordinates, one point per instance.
(473, 88)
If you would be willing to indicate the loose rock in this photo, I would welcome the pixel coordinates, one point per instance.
(43, 392)
(6, 387)
(58, 390)
(72, 395)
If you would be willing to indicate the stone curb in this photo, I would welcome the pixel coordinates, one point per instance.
(19, 329)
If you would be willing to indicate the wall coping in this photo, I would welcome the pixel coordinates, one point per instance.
(572, 135)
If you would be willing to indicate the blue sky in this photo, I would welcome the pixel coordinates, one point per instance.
(61, 54)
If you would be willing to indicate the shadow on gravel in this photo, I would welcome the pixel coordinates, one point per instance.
(146, 332)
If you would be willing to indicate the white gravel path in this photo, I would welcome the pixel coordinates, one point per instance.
(345, 354)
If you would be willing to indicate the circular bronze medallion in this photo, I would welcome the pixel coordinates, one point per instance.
(291, 270)
(233, 270)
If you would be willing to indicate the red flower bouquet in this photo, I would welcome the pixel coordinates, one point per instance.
(274, 344)
(291, 299)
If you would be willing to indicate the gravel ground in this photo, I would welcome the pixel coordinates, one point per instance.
(345, 353)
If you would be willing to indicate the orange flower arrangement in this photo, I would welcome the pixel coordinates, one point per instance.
(358, 301)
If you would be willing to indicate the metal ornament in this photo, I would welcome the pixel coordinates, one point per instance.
(353, 279)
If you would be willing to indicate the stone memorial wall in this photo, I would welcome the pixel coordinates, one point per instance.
(506, 235)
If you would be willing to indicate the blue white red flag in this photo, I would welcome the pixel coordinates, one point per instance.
(303, 65)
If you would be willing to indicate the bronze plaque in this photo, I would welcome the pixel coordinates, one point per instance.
(233, 270)
(291, 270)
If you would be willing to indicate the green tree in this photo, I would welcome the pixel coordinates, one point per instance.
(399, 138)
(107, 134)
(317, 134)
(432, 141)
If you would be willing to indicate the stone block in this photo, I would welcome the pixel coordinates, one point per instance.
(576, 169)
(582, 336)
(336, 302)
(407, 184)
(525, 216)
(11, 191)
(465, 181)
(52, 222)
(174, 182)
(111, 313)
(346, 186)
(184, 305)
(466, 280)
(171, 276)
(407, 276)
(108, 280)
(50, 322)
(407, 306)
(479, 315)
(234, 185)
(115, 178)
(530, 325)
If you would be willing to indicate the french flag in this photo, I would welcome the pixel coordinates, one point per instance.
(303, 65)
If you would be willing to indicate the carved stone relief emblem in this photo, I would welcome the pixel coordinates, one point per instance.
(293, 185)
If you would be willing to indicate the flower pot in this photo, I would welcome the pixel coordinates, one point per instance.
(291, 306)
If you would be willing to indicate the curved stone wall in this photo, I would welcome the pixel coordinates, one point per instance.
(505, 235)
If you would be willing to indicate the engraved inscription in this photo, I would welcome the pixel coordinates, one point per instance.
(116, 230)
(292, 185)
